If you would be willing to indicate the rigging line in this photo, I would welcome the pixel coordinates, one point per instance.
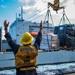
(36, 13)
(37, 17)
(51, 18)
(65, 1)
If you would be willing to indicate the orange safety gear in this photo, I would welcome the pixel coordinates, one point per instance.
(34, 33)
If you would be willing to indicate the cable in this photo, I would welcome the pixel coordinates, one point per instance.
(65, 1)
(36, 13)
(37, 17)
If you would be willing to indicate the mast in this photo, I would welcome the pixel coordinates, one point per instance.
(16, 15)
(21, 13)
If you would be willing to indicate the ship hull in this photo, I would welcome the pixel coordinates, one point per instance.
(55, 57)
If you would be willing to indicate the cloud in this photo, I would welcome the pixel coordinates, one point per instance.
(70, 9)
(26, 7)
(31, 7)
(28, 2)
(36, 5)
(23, 1)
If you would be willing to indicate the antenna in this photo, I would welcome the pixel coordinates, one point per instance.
(16, 15)
(21, 13)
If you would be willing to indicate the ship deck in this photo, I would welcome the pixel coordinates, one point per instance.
(62, 62)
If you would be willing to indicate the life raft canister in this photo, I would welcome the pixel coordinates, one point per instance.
(25, 58)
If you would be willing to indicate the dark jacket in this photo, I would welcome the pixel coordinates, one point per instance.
(15, 47)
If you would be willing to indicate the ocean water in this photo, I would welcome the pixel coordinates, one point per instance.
(47, 69)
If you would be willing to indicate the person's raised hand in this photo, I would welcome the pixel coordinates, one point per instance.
(41, 25)
(6, 24)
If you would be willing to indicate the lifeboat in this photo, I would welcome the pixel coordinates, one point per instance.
(34, 33)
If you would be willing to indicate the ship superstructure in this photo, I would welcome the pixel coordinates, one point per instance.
(19, 27)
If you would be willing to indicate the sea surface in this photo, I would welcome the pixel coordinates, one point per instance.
(47, 69)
